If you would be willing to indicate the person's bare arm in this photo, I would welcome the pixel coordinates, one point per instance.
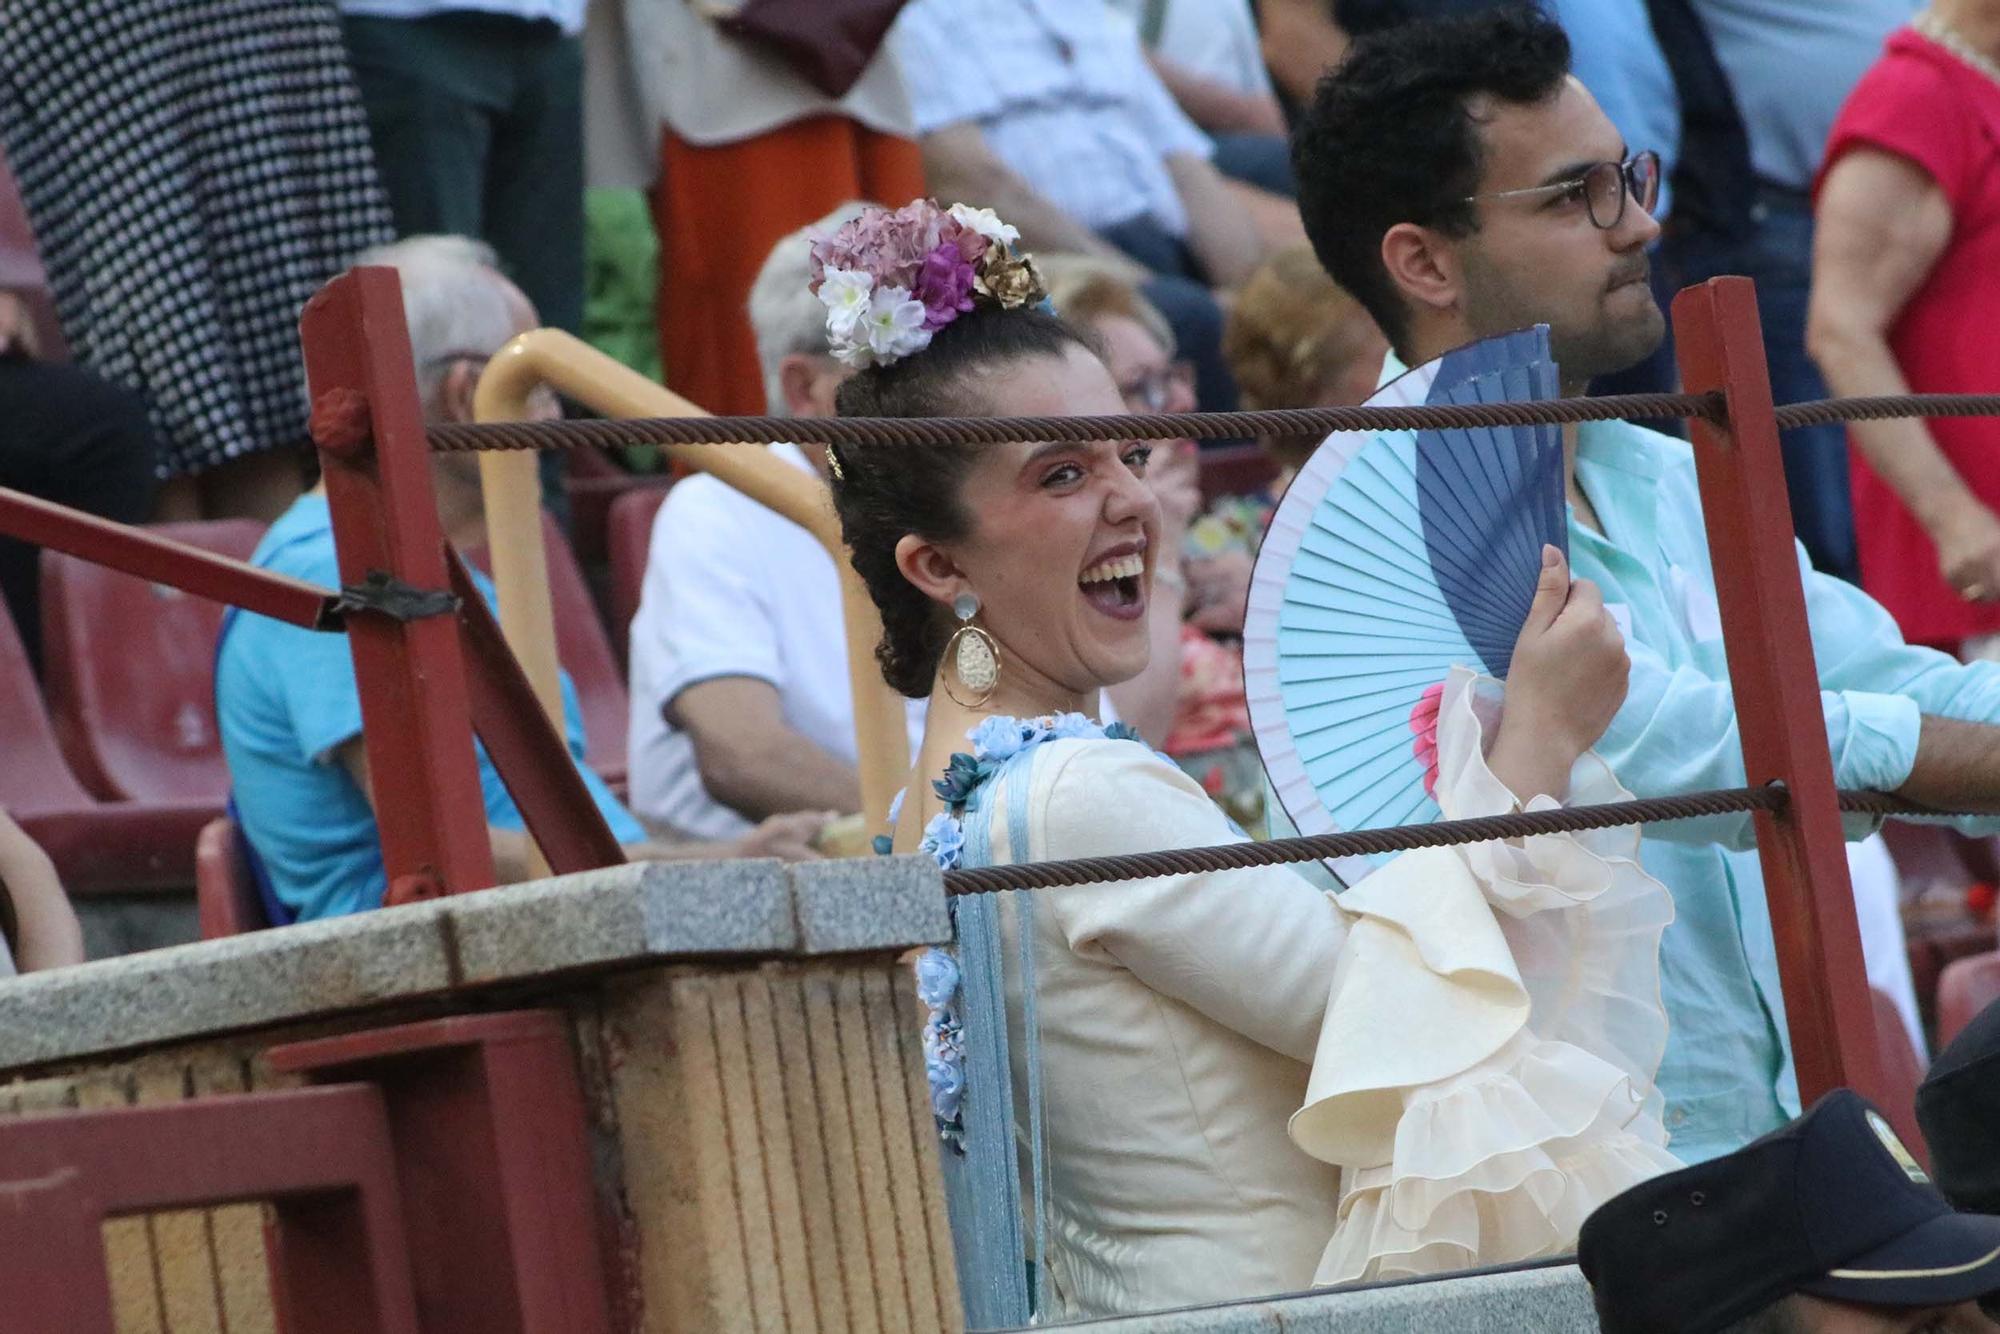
(1215, 106)
(1957, 767)
(50, 935)
(1219, 230)
(1882, 223)
(750, 759)
(1301, 42)
(959, 167)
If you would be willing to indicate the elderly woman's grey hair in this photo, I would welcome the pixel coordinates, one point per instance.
(455, 301)
(787, 319)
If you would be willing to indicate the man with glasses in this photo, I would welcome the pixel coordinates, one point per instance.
(1461, 183)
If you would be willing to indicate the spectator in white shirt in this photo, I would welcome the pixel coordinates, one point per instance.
(741, 703)
(1207, 54)
(1048, 112)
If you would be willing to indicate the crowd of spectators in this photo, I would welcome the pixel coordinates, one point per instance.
(1225, 227)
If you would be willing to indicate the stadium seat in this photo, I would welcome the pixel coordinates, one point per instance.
(631, 537)
(1235, 470)
(130, 674)
(226, 901)
(95, 845)
(1966, 987)
(593, 483)
(1902, 1071)
(585, 654)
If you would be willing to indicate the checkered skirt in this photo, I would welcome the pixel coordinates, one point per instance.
(194, 170)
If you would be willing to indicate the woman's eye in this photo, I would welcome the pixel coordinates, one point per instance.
(1138, 457)
(1062, 475)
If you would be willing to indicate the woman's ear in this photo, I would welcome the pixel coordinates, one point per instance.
(1422, 264)
(929, 569)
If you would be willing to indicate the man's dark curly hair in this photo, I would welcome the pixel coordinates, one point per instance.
(1388, 138)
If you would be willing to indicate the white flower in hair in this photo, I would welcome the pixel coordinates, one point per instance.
(986, 222)
(844, 293)
(895, 324)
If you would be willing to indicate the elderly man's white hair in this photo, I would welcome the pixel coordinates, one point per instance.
(787, 319)
(455, 301)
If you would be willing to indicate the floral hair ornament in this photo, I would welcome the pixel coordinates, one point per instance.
(891, 280)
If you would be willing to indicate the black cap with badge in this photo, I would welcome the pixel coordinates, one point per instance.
(1831, 1205)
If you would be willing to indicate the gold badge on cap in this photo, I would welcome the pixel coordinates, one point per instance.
(1911, 1168)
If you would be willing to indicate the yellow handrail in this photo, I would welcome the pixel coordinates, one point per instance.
(510, 482)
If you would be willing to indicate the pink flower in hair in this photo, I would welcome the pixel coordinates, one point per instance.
(890, 279)
(944, 285)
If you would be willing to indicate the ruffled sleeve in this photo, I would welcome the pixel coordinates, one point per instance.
(1484, 1072)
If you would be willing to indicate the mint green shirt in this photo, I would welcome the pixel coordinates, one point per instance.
(1727, 1076)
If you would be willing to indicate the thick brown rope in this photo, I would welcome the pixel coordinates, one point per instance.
(1134, 426)
(1887, 406)
(1374, 842)
(1176, 425)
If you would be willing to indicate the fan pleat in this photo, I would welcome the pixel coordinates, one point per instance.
(1392, 558)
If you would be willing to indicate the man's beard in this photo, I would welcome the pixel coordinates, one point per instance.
(1610, 342)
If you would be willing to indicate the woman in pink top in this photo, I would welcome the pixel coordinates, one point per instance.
(1906, 285)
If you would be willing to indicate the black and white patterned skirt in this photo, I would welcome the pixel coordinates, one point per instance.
(195, 170)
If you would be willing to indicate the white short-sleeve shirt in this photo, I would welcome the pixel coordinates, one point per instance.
(733, 589)
(1062, 94)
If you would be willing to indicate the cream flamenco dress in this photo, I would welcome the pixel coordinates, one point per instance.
(1249, 1085)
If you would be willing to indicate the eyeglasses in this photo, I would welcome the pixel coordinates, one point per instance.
(1603, 188)
(1155, 389)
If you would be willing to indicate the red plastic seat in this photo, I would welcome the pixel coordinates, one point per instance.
(1235, 470)
(631, 539)
(130, 674)
(226, 899)
(1966, 987)
(593, 482)
(95, 845)
(585, 654)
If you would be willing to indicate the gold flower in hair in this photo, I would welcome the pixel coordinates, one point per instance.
(1008, 278)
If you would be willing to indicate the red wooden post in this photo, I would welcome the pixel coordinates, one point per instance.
(1776, 684)
(320, 1156)
(418, 729)
(522, 740)
(492, 1148)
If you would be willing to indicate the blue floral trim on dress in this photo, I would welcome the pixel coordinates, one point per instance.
(994, 743)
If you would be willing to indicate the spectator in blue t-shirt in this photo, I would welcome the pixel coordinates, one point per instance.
(286, 698)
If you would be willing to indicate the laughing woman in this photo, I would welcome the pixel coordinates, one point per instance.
(1479, 1027)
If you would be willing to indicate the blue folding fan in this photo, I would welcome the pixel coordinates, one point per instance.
(1394, 557)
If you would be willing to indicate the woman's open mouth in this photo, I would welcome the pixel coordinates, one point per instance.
(1116, 586)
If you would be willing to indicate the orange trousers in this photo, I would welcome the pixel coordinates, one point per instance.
(719, 210)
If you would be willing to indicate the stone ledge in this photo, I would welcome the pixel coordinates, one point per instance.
(591, 921)
(1550, 1299)
(886, 903)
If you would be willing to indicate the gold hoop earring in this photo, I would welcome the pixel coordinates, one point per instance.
(974, 655)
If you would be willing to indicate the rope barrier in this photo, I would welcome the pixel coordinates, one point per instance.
(456, 438)
(1886, 407)
(1126, 426)
(1373, 842)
